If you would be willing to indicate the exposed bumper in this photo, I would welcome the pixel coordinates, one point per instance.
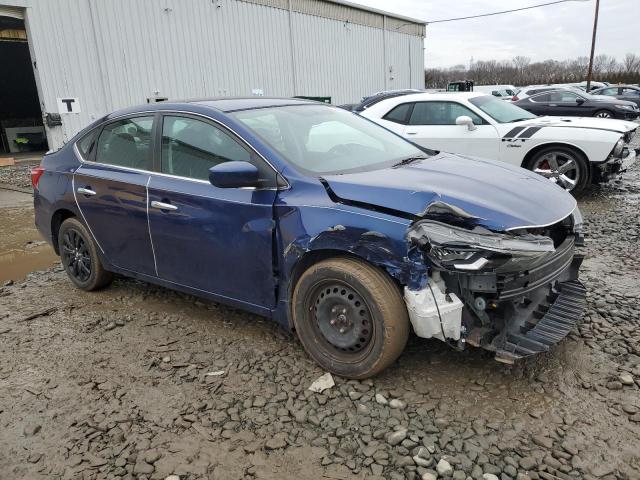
(547, 328)
(616, 166)
(521, 313)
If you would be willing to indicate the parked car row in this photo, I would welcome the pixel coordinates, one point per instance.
(344, 231)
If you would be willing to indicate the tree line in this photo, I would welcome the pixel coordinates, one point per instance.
(522, 71)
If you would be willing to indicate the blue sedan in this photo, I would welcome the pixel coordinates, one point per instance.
(321, 220)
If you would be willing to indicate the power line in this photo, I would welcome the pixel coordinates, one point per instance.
(504, 11)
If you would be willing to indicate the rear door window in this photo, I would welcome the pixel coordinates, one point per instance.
(126, 143)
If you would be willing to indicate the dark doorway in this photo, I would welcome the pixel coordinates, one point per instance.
(21, 128)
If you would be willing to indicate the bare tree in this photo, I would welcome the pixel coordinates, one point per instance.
(521, 71)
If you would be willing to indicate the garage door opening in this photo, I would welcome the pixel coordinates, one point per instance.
(22, 133)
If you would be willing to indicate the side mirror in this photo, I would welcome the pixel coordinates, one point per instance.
(579, 100)
(234, 174)
(466, 120)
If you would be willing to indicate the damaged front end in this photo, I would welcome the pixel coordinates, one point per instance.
(516, 293)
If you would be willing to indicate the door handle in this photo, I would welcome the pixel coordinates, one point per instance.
(412, 133)
(86, 191)
(163, 206)
(553, 104)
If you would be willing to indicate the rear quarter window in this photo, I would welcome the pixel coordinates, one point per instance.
(399, 114)
(87, 144)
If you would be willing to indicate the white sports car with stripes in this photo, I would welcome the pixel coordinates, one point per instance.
(571, 151)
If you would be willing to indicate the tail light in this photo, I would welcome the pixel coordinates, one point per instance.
(514, 98)
(36, 173)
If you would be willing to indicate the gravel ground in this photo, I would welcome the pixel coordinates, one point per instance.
(140, 382)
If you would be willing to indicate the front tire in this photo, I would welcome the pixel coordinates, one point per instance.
(350, 317)
(603, 114)
(565, 166)
(79, 256)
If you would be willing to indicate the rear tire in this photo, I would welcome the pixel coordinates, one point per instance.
(79, 256)
(565, 166)
(350, 317)
(603, 114)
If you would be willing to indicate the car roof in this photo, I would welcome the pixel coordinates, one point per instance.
(444, 95)
(221, 104)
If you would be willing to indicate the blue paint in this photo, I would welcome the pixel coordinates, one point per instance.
(243, 246)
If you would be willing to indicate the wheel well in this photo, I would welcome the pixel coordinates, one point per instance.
(314, 256)
(538, 148)
(56, 220)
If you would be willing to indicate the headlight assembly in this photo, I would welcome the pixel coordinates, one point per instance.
(617, 150)
(454, 247)
(624, 107)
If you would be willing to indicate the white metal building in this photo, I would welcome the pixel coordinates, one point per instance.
(94, 56)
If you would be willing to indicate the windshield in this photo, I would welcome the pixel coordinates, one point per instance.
(321, 140)
(501, 111)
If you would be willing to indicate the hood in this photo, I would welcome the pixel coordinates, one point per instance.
(608, 124)
(493, 194)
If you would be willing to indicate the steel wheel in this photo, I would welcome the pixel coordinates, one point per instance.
(75, 255)
(559, 167)
(603, 114)
(342, 317)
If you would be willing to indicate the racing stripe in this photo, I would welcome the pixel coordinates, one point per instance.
(529, 132)
(513, 132)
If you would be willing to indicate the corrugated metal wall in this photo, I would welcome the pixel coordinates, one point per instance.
(117, 53)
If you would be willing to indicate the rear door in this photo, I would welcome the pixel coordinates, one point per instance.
(630, 95)
(217, 240)
(432, 124)
(110, 188)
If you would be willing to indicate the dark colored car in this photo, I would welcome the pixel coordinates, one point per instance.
(320, 220)
(377, 97)
(573, 104)
(628, 93)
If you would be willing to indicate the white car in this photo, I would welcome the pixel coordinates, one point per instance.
(571, 151)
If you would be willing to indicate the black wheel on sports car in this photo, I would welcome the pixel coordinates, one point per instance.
(350, 317)
(603, 114)
(79, 256)
(562, 165)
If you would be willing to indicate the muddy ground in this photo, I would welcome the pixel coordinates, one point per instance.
(137, 381)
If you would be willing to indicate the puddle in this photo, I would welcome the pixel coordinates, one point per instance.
(22, 249)
(15, 264)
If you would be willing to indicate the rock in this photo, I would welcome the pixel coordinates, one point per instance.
(396, 437)
(528, 463)
(614, 385)
(110, 326)
(489, 476)
(380, 399)
(404, 461)
(259, 402)
(152, 456)
(142, 468)
(397, 403)
(172, 477)
(428, 476)
(31, 429)
(322, 383)
(542, 441)
(276, 442)
(444, 468)
(421, 462)
(626, 379)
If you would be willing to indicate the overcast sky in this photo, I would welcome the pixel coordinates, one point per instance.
(559, 31)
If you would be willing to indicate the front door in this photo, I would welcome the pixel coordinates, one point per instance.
(433, 125)
(217, 240)
(111, 191)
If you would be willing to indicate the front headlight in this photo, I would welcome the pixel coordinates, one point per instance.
(617, 150)
(454, 247)
(624, 107)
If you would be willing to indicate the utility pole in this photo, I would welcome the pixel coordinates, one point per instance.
(593, 45)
